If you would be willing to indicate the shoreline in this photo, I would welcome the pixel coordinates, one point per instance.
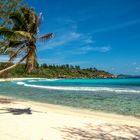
(80, 112)
(120, 109)
(14, 79)
(27, 120)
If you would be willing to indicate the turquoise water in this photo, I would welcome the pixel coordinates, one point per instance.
(110, 95)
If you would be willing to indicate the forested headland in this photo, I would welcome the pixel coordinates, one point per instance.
(55, 71)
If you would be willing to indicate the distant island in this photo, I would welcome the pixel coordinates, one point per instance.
(128, 76)
(55, 71)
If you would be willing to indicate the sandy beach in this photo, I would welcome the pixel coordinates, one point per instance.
(14, 79)
(27, 120)
(87, 53)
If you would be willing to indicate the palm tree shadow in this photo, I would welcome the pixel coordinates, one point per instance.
(17, 111)
(101, 132)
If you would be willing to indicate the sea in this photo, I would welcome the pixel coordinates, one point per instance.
(121, 96)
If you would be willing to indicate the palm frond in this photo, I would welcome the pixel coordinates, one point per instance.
(9, 34)
(29, 15)
(24, 34)
(39, 19)
(46, 37)
(6, 32)
(3, 44)
(2, 47)
(14, 54)
(34, 28)
(22, 37)
(13, 45)
(19, 21)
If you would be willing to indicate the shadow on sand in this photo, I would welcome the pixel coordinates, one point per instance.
(16, 111)
(101, 132)
(6, 101)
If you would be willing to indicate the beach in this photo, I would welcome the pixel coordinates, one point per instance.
(23, 119)
(87, 53)
(16, 79)
(28, 120)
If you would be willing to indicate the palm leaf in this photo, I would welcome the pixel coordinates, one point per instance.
(17, 53)
(46, 37)
(13, 45)
(2, 47)
(6, 32)
(22, 37)
(29, 15)
(39, 19)
(19, 21)
(10, 34)
(24, 34)
(33, 28)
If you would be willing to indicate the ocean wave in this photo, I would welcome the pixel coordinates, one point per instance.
(117, 90)
(38, 80)
(20, 83)
(32, 80)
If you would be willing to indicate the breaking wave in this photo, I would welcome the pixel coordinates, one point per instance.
(117, 90)
(42, 80)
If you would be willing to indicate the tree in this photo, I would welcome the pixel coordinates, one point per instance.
(20, 39)
(77, 67)
(6, 8)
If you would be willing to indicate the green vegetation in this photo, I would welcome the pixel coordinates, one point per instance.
(55, 71)
(19, 39)
(6, 8)
(18, 36)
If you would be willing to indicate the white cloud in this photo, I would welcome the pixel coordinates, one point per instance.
(66, 34)
(61, 40)
(137, 68)
(87, 49)
(67, 37)
(134, 63)
(113, 69)
(88, 39)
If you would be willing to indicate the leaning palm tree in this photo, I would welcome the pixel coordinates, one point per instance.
(19, 40)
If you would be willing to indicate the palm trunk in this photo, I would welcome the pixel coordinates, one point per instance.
(13, 66)
(31, 59)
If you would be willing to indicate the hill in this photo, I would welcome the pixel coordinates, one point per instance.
(56, 71)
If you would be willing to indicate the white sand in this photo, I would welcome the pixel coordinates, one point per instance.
(13, 79)
(51, 122)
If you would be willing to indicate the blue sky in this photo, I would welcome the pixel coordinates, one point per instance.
(91, 33)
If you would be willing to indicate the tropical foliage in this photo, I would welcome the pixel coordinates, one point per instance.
(19, 39)
(56, 71)
(6, 8)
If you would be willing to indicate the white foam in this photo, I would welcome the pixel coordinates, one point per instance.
(117, 90)
(49, 80)
(20, 83)
(42, 80)
(32, 80)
